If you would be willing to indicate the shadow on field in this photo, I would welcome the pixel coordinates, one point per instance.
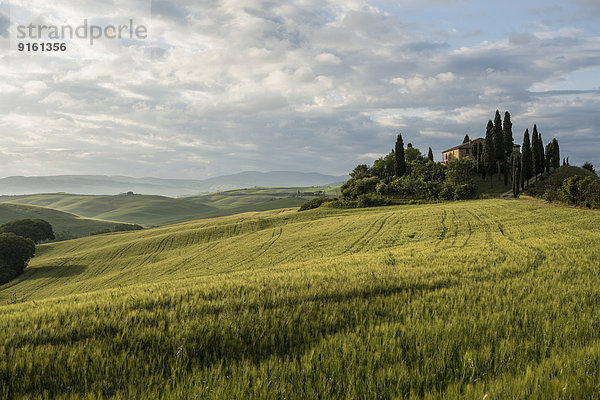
(55, 271)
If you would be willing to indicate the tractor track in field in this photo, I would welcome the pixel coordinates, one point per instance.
(368, 236)
(444, 228)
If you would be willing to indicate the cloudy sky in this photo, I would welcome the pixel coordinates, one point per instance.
(223, 86)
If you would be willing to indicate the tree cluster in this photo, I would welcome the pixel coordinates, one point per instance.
(37, 230)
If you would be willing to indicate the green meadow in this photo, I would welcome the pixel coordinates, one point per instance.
(486, 299)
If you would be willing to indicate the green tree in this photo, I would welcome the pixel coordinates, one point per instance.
(527, 162)
(555, 154)
(499, 141)
(466, 139)
(516, 175)
(508, 135)
(360, 171)
(34, 229)
(15, 253)
(548, 157)
(412, 154)
(430, 155)
(537, 152)
(400, 167)
(489, 153)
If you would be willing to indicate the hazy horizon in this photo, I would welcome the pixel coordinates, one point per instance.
(215, 88)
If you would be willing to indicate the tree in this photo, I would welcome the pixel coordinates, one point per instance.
(588, 166)
(555, 154)
(480, 160)
(508, 135)
(34, 229)
(400, 166)
(409, 146)
(499, 141)
(15, 253)
(360, 171)
(466, 139)
(534, 158)
(540, 159)
(548, 157)
(412, 154)
(430, 155)
(516, 176)
(527, 162)
(489, 153)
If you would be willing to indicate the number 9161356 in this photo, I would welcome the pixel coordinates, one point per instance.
(43, 46)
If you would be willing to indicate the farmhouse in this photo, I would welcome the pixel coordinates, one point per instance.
(465, 150)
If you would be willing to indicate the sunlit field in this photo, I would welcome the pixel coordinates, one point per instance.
(455, 300)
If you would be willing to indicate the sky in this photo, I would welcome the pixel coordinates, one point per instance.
(223, 86)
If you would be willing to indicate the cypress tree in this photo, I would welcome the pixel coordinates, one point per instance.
(555, 154)
(506, 172)
(400, 164)
(430, 155)
(499, 141)
(475, 148)
(508, 136)
(548, 157)
(527, 162)
(540, 151)
(466, 139)
(516, 175)
(534, 158)
(489, 153)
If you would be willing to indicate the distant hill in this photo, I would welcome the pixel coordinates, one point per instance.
(110, 185)
(152, 210)
(65, 225)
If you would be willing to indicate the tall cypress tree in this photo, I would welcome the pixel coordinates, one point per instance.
(534, 158)
(555, 154)
(509, 141)
(430, 155)
(516, 175)
(466, 139)
(499, 141)
(527, 162)
(540, 155)
(400, 164)
(489, 153)
(548, 157)
(475, 149)
(480, 162)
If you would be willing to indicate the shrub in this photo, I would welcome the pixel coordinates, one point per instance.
(371, 200)
(464, 191)
(314, 203)
(15, 253)
(355, 187)
(581, 192)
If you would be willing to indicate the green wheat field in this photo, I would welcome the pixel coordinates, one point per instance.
(487, 299)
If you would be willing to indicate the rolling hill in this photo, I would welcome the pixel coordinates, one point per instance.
(112, 185)
(477, 299)
(65, 225)
(160, 210)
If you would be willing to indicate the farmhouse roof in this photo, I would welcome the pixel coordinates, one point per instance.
(464, 145)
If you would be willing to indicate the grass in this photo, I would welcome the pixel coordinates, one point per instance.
(453, 300)
(64, 224)
(159, 210)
